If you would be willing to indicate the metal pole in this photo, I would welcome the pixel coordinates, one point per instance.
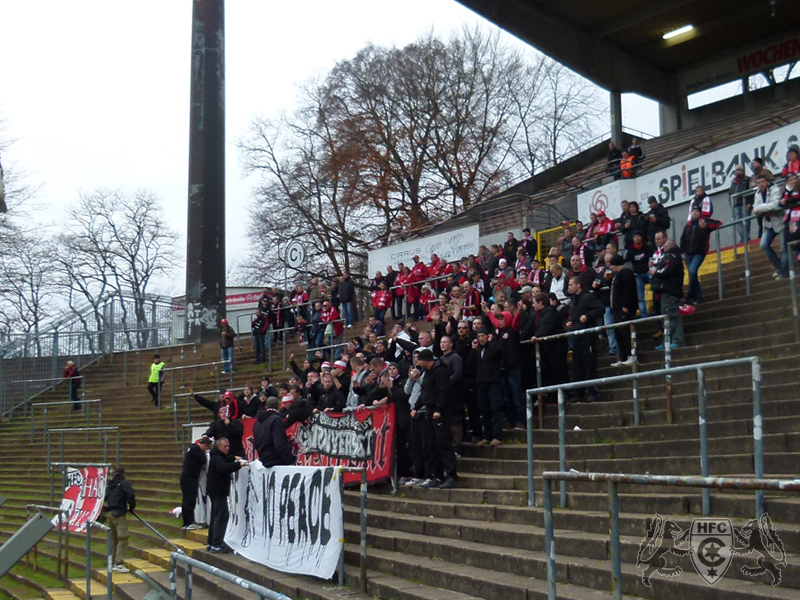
(746, 262)
(667, 365)
(62, 447)
(125, 366)
(118, 448)
(175, 415)
(529, 426)
(701, 408)
(109, 566)
(105, 447)
(173, 579)
(60, 545)
(616, 567)
(88, 420)
(758, 433)
(341, 556)
(47, 435)
(138, 366)
(216, 367)
(33, 409)
(66, 551)
(793, 287)
(562, 451)
(635, 382)
(539, 384)
(719, 263)
(363, 557)
(88, 560)
(187, 590)
(549, 542)
(172, 386)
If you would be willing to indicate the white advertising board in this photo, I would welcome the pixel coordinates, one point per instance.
(675, 184)
(450, 246)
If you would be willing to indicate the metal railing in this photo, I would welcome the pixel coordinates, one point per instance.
(169, 350)
(260, 591)
(362, 562)
(188, 426)
(634, 359)
(793, 286)
(168, 371)
(109, 559)
(62, 546)
(614, 480)
(699, 369)
(84, 402)
(190, 396)
(157, 532)
(103, 430)
(64, 466)
(28, 396)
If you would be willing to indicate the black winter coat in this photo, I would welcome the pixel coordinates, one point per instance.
(120, 496)
(638, 257)
(437, 393)
(623, 292)
(269, 437)
(233, 431)
(193, 462)
(485, 362)
(695, 239)
(668, 278)
(347, 290)
(332, 398)
(585, 304)
(220, 469)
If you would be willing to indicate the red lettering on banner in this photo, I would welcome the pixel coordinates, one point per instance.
(769, 56)
(84, 495)
(377, 438)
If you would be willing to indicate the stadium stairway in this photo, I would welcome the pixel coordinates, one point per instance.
(481, 540)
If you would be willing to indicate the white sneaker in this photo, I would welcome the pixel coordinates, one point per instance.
(413, 481)
(629, 362)
(193, 527)
(619, 363)
(120, 569)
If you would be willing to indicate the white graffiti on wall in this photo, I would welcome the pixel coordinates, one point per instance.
(198, 315)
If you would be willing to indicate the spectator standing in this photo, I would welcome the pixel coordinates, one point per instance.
(626, 166)
(757, 164)
(334, 328)
(624, 301)
(221, 466)
(485, 363)
(741, 202)
(156, 379)
(347, 296)
(701, 201)
(636, 152)
(601, 288)
(657, 220)
(72, 375)
(634, 221)
(792, 161)
(194, 461)
(510, 247)
(120, 499)
(552, 354)
(565, 241)
(766, 203)
(694, 246)
(667, 276)
(529, 243)
(259, 326)
(585, 310)
(436, 396)
(638, 255)
(226, 337)
(604, 231)
(612, 160)
(381, 302)
(269, 436)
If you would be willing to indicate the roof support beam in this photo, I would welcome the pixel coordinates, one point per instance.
(595, 59)
(634, 17)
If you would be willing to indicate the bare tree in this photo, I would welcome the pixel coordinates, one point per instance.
(116, 242)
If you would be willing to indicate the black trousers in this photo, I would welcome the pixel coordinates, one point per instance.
(584, 359)
(418, 450)
(154, 389)
(219, 520)
(440, 458)
(470, 396)
(402, 440)
(623, 335)
(189, 491)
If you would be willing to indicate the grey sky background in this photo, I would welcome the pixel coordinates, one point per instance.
(97, 91)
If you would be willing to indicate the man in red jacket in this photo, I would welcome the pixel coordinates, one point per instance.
(334, 328)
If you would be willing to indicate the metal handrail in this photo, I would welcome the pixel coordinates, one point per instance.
(188, 395)
(109, 559)
(62, 431)
(47, 379)
(699, 369)
(793, 287)
(157, 532)
(97, 401)
(634, 359)
(190, 563)
(186, 426)
(63, 466)
(62, 545)
(613, 480)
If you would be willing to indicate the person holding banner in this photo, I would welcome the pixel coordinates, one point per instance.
(193, 462)
(269, 436)
(120, 498)
(220, 469)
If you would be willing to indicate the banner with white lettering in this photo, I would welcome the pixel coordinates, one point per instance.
(355, 439)
(84, 494)
(449, 246)
(287, 518)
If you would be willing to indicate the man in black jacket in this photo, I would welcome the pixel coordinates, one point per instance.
(485, 362)
(259, 327)
(585, 310)
(624, 302)
(220, 468)
(120, 499)
(347, 293)
(657, 220)
(553, 354)
(194, 461)
(694, 246)
(667, 286)
(269, 436)
(436, 396)
(331, 399)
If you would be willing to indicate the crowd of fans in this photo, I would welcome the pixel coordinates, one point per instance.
(462, 336)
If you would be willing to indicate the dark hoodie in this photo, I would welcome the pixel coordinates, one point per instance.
(120, 496)
(220, 469)
(270, 439)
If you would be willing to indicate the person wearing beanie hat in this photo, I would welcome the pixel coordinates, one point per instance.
(269, 436)
(119, 499)
(741, 200)
(437, 397)
(638, 255)
(624, 302)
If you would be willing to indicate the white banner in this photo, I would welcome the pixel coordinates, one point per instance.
(675, 184)
(449, 246)
(288, 518)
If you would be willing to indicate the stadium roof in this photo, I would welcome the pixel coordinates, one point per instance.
(620, 45)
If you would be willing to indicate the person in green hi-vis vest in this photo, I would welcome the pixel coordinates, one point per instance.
(156, 379)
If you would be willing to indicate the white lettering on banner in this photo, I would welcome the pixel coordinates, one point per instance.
(449, 246)
(287, 518)
(344, 437)
(765, 55)
(675, 184)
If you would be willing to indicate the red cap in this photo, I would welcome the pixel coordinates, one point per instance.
(224, 321)
(600, 213)
(415, 257)
(565, 223)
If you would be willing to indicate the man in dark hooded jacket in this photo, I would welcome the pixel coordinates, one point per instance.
(120, 499)
(269, 435)
(624, 303)
(436, 396)
(220, 468)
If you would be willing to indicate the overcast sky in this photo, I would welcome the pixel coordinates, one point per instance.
(97, 91)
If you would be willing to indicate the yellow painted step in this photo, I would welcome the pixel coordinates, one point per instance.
(138, 564)
(60, 594)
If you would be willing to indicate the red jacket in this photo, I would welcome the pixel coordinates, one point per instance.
(793, 166)
(329, 315)
(420, 271)
(381, 299)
